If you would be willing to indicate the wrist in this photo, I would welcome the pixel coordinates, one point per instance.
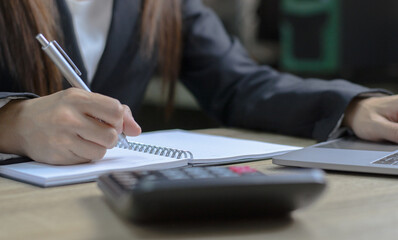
(352, 111)
(11, 140)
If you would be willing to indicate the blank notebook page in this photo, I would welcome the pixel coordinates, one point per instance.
(208, 148)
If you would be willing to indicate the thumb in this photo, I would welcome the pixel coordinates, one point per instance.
(130, 126)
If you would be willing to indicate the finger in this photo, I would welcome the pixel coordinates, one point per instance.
(66, 157)
(388, 130)
(107, 109)
(96, 105)
(130, 126)
(87, 150)
(97, 132)
(76, 159)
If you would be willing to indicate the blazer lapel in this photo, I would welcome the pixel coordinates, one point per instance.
(69, 42)
(124, 19)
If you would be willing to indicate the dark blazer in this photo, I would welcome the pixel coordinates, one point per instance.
(216, 69)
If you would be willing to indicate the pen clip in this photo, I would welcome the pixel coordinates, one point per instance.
(67, 57)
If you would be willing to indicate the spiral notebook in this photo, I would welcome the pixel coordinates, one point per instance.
(149, 151)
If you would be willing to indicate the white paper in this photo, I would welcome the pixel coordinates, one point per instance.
(213, 149)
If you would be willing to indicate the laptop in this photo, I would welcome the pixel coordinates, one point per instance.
(345, 154)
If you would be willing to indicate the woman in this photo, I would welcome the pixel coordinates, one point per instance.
(119, 44)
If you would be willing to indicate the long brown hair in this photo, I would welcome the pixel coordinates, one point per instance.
(21, 20)
(161, 26)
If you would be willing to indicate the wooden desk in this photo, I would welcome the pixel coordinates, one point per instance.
(355, 206)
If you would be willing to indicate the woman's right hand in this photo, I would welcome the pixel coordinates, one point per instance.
(64, 128)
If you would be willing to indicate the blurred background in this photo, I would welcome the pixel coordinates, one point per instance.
(350, 39)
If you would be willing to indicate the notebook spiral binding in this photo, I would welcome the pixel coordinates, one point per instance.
(157, 150)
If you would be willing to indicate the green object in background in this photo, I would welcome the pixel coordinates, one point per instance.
(310, 35)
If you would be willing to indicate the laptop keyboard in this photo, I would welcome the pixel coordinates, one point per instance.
(389, 160)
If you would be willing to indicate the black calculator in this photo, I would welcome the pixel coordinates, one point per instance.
(209, 192)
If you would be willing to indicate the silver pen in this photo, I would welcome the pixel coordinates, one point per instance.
(69, 71)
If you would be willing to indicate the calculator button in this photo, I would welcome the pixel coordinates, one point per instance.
(174, 174)
(253, 174)
(151, 177)
(217, 170)
(202, 175)
(178, 177)
(227, 174)
(141, 174)
(222, 172)
(242, 169)
(126, 180)
(197, 172)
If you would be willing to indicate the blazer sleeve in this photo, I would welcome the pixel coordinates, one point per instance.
(15, 95)
(4, 98)
(238, 92)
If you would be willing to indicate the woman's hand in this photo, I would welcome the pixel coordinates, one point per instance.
(64, 128)
(374, 118)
